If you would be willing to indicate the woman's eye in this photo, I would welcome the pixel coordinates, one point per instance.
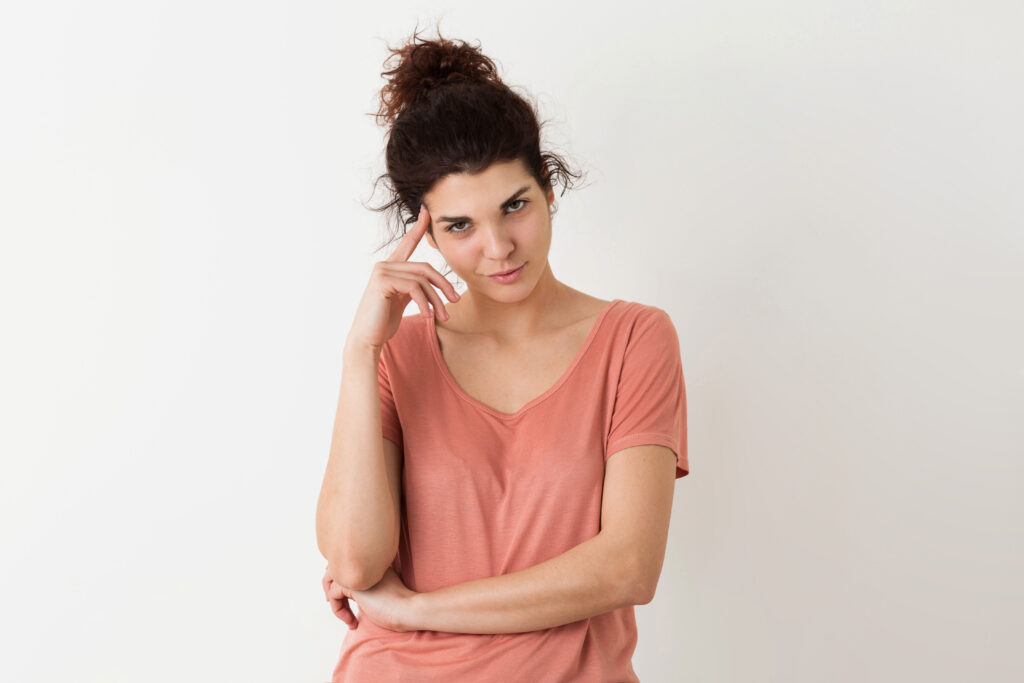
(523, 202)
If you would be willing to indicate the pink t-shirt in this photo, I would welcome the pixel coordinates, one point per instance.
(487, 493)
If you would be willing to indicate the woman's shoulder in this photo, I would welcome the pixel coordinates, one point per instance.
(642, 327)
(637, 311)
(588, 306)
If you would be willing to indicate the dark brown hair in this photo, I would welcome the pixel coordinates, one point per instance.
(447, 111)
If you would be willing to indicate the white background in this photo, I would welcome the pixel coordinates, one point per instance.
(825, 197)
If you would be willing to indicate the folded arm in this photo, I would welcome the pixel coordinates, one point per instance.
(616, 568)
(591, 578)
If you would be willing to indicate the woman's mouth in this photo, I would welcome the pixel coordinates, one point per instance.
(511, 276)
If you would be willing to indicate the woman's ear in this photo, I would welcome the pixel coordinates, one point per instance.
(551, 196)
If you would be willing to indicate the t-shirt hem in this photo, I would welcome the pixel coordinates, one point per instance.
(652, 439)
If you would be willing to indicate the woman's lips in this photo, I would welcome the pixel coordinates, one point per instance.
(511, 277)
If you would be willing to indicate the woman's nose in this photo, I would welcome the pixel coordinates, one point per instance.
(498, 243)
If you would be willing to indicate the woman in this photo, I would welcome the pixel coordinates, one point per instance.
(499, 487)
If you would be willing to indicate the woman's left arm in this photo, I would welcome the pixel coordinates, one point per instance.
(616, 568)
(591, 578)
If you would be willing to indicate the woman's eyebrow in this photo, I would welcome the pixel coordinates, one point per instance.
(459, 219)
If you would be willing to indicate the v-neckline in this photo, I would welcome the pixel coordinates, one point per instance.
(435, 346)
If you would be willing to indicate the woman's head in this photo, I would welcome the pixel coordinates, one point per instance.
(458, 138)
(491, 222)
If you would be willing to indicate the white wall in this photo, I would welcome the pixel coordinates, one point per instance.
(825, 196)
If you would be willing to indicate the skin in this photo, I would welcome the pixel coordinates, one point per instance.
(387, 604)
(535, 317)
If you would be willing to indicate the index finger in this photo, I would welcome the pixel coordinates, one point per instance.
(408, 243)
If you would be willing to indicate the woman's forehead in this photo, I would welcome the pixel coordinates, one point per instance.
(461, 192)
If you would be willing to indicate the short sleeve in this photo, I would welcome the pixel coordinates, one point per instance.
(650, 399)
(391, 428)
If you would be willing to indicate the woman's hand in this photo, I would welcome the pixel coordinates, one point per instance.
(393, 283)
(339, 604)
(387, 604)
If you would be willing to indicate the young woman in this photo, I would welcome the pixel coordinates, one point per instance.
(500, 480)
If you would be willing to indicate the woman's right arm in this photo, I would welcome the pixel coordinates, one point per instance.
(357, 517)
(358, 512)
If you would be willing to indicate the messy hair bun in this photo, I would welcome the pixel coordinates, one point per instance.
(447, 111)
(428, 64)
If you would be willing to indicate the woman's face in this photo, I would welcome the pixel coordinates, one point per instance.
(491, 222)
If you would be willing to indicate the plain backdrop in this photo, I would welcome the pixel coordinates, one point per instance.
(824, 196)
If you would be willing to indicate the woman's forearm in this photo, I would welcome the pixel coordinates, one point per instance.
(590, 579)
